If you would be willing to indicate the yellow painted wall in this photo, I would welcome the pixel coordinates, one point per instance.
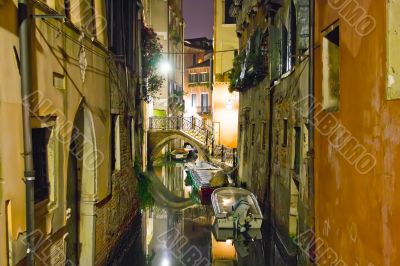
(358, 214)
(52, 52)
(224, 39)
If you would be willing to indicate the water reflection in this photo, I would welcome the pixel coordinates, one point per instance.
(178, 231)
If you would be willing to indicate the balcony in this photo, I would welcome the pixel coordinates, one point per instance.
(204, 110)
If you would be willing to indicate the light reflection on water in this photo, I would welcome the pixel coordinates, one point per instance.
(174, 236)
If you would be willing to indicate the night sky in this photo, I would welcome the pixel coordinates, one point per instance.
(199, 18)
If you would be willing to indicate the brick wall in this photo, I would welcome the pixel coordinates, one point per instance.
(117, 213)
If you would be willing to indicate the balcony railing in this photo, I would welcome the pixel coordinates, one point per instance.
(225, 154)
(203, 109)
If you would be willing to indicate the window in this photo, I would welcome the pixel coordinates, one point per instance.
(331, 69)
(193, 100)
(302, 25)
(200, 77)
(206, 77)
(297, 147)
(275, 57)
(253, 134)
(131, 130)
(292, 37)
(58, 81)
(195, 78)
(284, 50)
(204, 103)
(40, 139)
(227, 18)
(122, 34)
(264, 135)
(285, 133)
(115, 143)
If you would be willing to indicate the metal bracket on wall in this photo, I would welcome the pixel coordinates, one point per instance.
(45, 16)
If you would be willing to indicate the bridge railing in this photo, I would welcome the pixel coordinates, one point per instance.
(190, 125)
(225, 154)
(198, 130)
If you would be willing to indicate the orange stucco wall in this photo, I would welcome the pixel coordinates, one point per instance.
(228, 118)
(357, 214)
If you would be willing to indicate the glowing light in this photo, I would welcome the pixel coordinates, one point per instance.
(229, 242)
(226, 202)
(165, 262)
(165, 67)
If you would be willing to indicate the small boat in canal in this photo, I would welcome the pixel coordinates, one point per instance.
(204, 178)
(236, 208)
(180, 154)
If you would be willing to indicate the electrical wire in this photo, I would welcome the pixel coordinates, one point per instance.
(211, 52)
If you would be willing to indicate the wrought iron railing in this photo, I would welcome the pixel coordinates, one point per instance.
(190, 125)
(203, 109)
(198, 130)
(225, 154)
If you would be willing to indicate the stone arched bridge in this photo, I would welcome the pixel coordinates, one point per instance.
(191, 130)
(164, 129)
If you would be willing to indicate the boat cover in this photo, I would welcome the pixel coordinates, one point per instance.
(224, 198)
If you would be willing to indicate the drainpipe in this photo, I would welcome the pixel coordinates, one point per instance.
(144, 114)
(311, 92)
(139, 40)
(26, 86)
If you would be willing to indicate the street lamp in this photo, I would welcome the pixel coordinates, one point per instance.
(165, 67)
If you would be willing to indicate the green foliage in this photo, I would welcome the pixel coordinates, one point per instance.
(151, 57)
(222, 77)
(145, 196)
(175, 37)
(249, 66)
(159, 113)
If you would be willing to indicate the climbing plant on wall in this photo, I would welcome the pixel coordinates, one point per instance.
(151, 56)
(249, 66)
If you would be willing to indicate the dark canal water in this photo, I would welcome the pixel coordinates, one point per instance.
(178, 230)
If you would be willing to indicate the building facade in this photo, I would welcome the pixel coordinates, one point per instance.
(84, 117)
(165, 17)
(356, 130)
(271, 74)
(225, 103)
(197, 82)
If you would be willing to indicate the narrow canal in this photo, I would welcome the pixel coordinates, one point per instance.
(178, 229)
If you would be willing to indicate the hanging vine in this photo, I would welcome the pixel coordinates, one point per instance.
(249, 66)
(151, 57)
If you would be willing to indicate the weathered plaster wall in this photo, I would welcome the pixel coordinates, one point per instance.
(357, 214)
(287, 95)
(253, 158)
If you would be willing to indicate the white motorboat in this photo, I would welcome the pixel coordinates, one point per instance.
(236, 208)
